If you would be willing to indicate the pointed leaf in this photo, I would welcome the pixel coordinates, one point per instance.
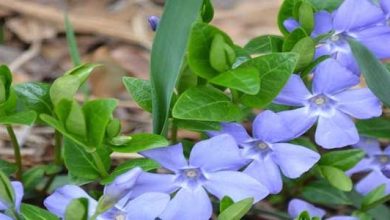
(237, 210)
(140, 90)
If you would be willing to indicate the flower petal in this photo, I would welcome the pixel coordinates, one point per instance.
(373, 39)
(331, 77)
(19, 193)
(270, 127)
(336, 131)
(370, 145)
(372, 181)
(57, 202)
(298, 120)
(359, 103)
(170, 157)
(148, 206)
(291, 24)
(5, 217)
(217, 153)
(385, 4)
(266, 172)
(189, 205)
(122, 184)
(294, 160)
(236, 185)
(364, 165)
(146, 182)
(236, 130)
(294, 93)
(322, 23)
(297, 206)
(351, 15)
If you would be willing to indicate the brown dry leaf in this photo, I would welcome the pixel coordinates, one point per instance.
(30, 30)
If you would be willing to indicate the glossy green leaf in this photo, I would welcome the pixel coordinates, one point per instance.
(30, 212)
(66, 86)
(80, 163)
(77, 209)
(265, 44)
(207, 11)
(7, 168)
(275, 70)
(306, 50)
(205, 104)
(245, 79)
(7, 193)
(328, 5)
(237, 210)
(168, 55)
(143, 163)
(342, 159)
(197, 125)
(75, 122)
(225, 202)
(113, 128)
(306, 17)
(141, 142)
(303, 216)
(322, 193)
(337, 178)
(222, 56)
(285, 12)
(140, 90)
(202, 36)
(34, 96)
(375, 73)
(21, 118)
(98, 114)
(376, 127)
(293, 38)
(373, 196)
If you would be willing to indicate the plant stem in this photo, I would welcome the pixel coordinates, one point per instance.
(57, 147)
(99, 163)
(280, 216)
(18, 157)
(174, 133)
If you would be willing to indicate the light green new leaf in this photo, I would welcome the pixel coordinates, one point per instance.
(337, 178)
(7, 193)
(77, 209)
(245, 79)
(21, 118)
(205, 104)
(237, 210)
(140, 90)
(7, 168)
(306, 17)
(141, 142)
(328, 5)
(225, 202)
(30, 212)
(306, 50)
(265, 44)
(376, 128)
(75, 121)
(373, 196)
(34, 96)
(169, 49)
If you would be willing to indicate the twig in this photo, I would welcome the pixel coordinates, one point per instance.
(26, 56)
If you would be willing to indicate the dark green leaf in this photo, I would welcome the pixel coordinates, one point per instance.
(32, 177)
(141, 142)
(141, 92)
(77, 209)
(275, 70)
(264, 44)
(34, 96)
(337, 178)
(285, 12)
(145, 164)
(328, 5)
(342, 159)
(207, 11)
(30, 212)
(375, 73)
(7, 193)
(197, 125)
(202, 36)
(21, 118)
(205, 104)
(373, 196)
(245, 79)
(237, 210)
(168, 52)
(7, 168)
(321, 192)
(376, 127)
(5, 83)
(225, 203)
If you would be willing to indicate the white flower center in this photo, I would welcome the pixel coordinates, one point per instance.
(335, 38)
(262, 145)
(120, 217)
(320, 100)
(384, 159)
(191, 173)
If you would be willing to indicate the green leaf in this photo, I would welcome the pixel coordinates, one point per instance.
(75, 121)
(375, 73)
(7, 193)
(337, 178)
(143, 163)
(322, 193)
(303, 216)
(141, 142)
(265, 44)
(342, 159)
(71, 41)
(237, 210)
(197, 125)
(32, 177)
(77, 209)
(5, 83)
(113, 128)
(98, 114)
(293, 38)
(245, 79)
(34, 96)
(306, 50)
(81, 164)
(21, 118)
(222, 56)
(285, 12)
(168, 55)
(140, 90)
(202, 36)
(205, 104)
(207, 11)
(66, 86)
(7, 168)
(372, 197)
(328, 5)
(226, 201)
(376, 127)
(30, 212)
(306, 17)
(275, 70)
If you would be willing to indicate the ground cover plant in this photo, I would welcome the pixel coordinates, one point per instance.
(292, 126)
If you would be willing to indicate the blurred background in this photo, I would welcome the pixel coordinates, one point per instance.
(111, 32)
